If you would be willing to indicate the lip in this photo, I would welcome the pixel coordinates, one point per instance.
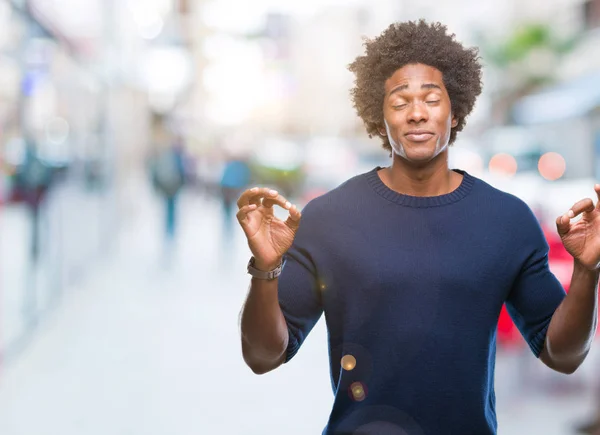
(419, 135)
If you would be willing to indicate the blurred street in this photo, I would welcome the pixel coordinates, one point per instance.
(129, 129)
(147, 347)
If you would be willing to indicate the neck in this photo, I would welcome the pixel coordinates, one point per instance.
(433, 178)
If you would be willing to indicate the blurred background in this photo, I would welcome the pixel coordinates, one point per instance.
(129, 128)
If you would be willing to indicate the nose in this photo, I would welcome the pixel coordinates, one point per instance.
(418, 113)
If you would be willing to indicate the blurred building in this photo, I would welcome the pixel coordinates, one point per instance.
(563, 115)
(79, 84)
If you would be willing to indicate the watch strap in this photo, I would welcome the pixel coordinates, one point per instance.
(261, 274)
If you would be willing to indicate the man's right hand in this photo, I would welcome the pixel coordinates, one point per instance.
(269, 238)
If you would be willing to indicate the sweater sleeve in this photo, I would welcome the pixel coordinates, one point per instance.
(536, 292)
(298, 290)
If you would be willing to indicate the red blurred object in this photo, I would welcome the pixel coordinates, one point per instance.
(311, 194)
(561, 264)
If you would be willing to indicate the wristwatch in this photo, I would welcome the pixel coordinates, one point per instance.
(261, 274)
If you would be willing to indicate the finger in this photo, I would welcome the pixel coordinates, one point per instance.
(261, 194)
(256, 200)
(597, 189)
(244, 198)
(585, 205)
(254, 195)
(293, 220)
(270, 201)
(242, 214)
(563, 224)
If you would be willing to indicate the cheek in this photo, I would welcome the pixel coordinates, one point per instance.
(446, 123)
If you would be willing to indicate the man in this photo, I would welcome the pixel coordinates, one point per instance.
(412, 263)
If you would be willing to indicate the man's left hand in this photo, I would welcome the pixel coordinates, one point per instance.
(582, 238)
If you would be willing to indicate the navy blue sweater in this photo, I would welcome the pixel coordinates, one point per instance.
(412, 288)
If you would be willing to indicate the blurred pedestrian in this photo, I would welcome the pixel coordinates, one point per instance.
(412, 263)
(168, 177)
(33, 179)
(235, 178)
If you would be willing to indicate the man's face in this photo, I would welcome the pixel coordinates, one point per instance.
(417, 113)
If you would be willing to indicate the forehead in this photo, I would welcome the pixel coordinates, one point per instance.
(415, 74)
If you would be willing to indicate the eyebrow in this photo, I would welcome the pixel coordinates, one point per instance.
(423, 86)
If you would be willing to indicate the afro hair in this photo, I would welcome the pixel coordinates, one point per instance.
(412, 43)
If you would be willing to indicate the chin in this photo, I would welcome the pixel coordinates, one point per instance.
(419, 161)
(420, 156)
(423, 154)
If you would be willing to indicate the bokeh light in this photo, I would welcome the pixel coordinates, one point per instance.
(552, 166)
(348, 362)
(503, 164)
(358, 391)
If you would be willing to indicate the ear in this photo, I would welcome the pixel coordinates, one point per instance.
(454, 121)
(382, 132)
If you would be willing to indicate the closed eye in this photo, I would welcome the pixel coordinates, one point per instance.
(400, 106)
(433, 102)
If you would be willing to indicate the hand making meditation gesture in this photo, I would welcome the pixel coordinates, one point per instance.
(269, 238)
(582, 238)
